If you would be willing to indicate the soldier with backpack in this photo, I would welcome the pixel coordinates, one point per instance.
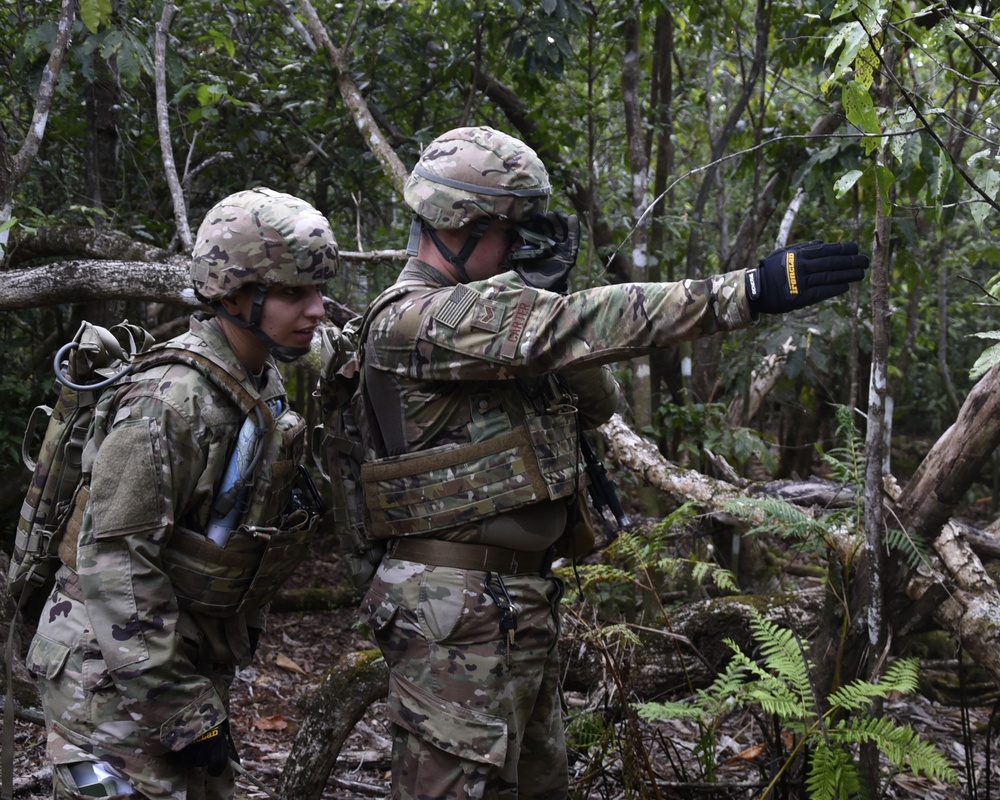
(477, 375)
(195, 511)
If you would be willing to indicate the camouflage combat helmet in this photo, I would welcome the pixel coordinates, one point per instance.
(469, 174)
(263, 237)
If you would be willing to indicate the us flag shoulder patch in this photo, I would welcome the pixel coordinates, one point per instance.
(461, 299)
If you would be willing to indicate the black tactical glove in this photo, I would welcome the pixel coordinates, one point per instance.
(803, 274)
(550, 270)
(210, 750)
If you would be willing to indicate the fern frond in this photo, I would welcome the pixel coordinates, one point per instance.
(678, 517)
(638, 551)
(855, 696)
(754, 670)
(611, 634)
(846, 462)
(911, 547)
(783, 655)
(774, 515)
(902, 676)
(776, 698)
(901, 745)
(599, 573)
(723, 579)
(832, 776)
(585, 730)
(653, 712)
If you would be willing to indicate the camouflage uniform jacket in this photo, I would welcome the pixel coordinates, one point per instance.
(156, 471)
(461, 359)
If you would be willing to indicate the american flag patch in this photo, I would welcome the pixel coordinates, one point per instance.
(461, 299)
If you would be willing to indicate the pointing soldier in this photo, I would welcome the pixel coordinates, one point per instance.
(478, 375)
(163, 597)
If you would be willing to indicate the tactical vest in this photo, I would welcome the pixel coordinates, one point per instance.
(262, 552)
(517, 456)
(273, 534)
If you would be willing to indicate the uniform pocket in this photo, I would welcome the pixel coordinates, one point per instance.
(461, 732)
(46, 658)
(96, 677)
(444, 602)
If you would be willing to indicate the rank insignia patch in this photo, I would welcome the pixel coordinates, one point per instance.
(487, 315)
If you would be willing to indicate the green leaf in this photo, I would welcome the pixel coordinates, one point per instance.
(854, 37)
(846, 181)
(885, 180)
(988, 359)
(210, 93)
(861, 112)
(95, 13)
(942, 176)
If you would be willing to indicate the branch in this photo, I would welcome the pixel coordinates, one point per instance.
(166, 281)
(46, 89)
(356, 104)
(163, 127)
(953, 587)
(911, 103)
(586, 205)
(14, 168)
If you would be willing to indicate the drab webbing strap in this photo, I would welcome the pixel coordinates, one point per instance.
(468, 555)
(217, 373)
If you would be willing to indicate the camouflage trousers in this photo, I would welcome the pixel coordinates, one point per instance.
(87, 719)
(475, 715)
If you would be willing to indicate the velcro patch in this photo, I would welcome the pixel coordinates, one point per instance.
(461, 299)
(488, 315)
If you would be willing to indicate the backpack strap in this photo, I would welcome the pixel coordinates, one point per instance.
(382, 402)
(216, 371)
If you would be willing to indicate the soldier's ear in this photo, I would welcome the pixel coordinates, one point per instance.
(235, 304)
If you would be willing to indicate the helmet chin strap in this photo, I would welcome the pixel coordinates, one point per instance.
(458, 260)
(280, 352)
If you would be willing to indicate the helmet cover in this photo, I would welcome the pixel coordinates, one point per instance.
(260, 236)
(474, 173)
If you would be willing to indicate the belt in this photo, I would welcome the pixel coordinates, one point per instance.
(463, 555)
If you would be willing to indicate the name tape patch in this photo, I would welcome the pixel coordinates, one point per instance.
(517, 325)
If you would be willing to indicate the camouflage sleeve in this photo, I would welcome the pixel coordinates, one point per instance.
(135, 489)
(597, 394)
(499, 328)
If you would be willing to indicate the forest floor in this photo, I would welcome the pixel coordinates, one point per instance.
(300, 648)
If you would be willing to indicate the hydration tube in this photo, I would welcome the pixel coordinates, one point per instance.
(64, 379)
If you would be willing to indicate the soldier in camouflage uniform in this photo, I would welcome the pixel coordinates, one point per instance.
(476, 376)
(150, 619)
